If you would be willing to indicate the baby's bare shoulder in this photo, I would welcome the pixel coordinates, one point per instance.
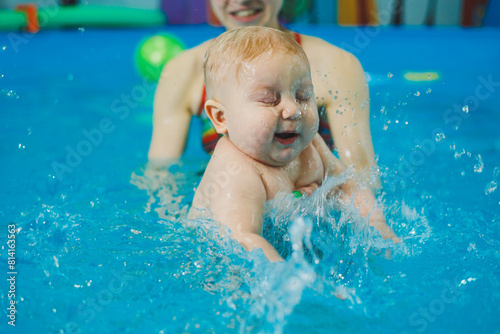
(227, 159)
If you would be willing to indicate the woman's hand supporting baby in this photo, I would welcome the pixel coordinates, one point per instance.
(366, 203)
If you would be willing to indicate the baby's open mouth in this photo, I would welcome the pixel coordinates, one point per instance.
(286, 138)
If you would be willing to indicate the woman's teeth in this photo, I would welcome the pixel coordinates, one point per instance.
(247, 12)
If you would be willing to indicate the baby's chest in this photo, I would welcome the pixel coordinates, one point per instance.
(309, 170)
(302, 172)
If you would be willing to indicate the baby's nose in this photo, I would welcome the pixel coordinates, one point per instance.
(291, 109)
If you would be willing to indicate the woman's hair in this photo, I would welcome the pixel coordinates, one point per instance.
(238, 46)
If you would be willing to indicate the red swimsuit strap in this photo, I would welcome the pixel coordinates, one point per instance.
(203, 100)
(298, 38)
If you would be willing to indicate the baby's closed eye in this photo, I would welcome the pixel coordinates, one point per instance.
(271, 98)
(303, 94)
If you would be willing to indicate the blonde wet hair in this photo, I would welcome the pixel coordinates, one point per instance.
(239, 46)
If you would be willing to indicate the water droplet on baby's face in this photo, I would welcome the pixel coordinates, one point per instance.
(247, 71)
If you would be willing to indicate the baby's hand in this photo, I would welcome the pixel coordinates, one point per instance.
(307, 190)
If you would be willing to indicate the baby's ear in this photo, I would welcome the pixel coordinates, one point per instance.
(216, 112)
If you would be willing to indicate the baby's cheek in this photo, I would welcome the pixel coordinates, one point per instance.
(251, 134)
(264, 123)
(264, 132)
(312, 120)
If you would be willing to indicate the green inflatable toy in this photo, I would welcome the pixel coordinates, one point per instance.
(154, 52)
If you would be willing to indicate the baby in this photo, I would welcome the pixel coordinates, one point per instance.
(260, 97)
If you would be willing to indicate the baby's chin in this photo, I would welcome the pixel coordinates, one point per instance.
(276, 158)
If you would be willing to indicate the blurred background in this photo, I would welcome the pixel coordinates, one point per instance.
(466, 13)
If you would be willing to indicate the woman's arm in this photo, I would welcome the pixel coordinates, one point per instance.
(340, 86)
(361, 195)
(172, 106)
(351, 124)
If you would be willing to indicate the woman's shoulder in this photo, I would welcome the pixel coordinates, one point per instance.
(320, 51)
(190, 59)
(199, 50)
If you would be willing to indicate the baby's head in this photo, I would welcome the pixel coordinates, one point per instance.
(260, 93)
(233, 51)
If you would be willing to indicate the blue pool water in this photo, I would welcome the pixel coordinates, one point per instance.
(102, 248)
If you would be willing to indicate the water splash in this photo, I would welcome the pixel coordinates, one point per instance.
(439, 136)
(478, 167)
(279, 287)
(492, 186)
(9, 93)
(458, 153)
(170, 191)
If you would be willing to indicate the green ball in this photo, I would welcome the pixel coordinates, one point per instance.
(293, 9)
(154, 52)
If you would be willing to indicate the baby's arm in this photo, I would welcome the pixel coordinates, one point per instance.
(362, 196)
(240, 206)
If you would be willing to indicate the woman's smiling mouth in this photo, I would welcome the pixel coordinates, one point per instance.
(246, 15)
